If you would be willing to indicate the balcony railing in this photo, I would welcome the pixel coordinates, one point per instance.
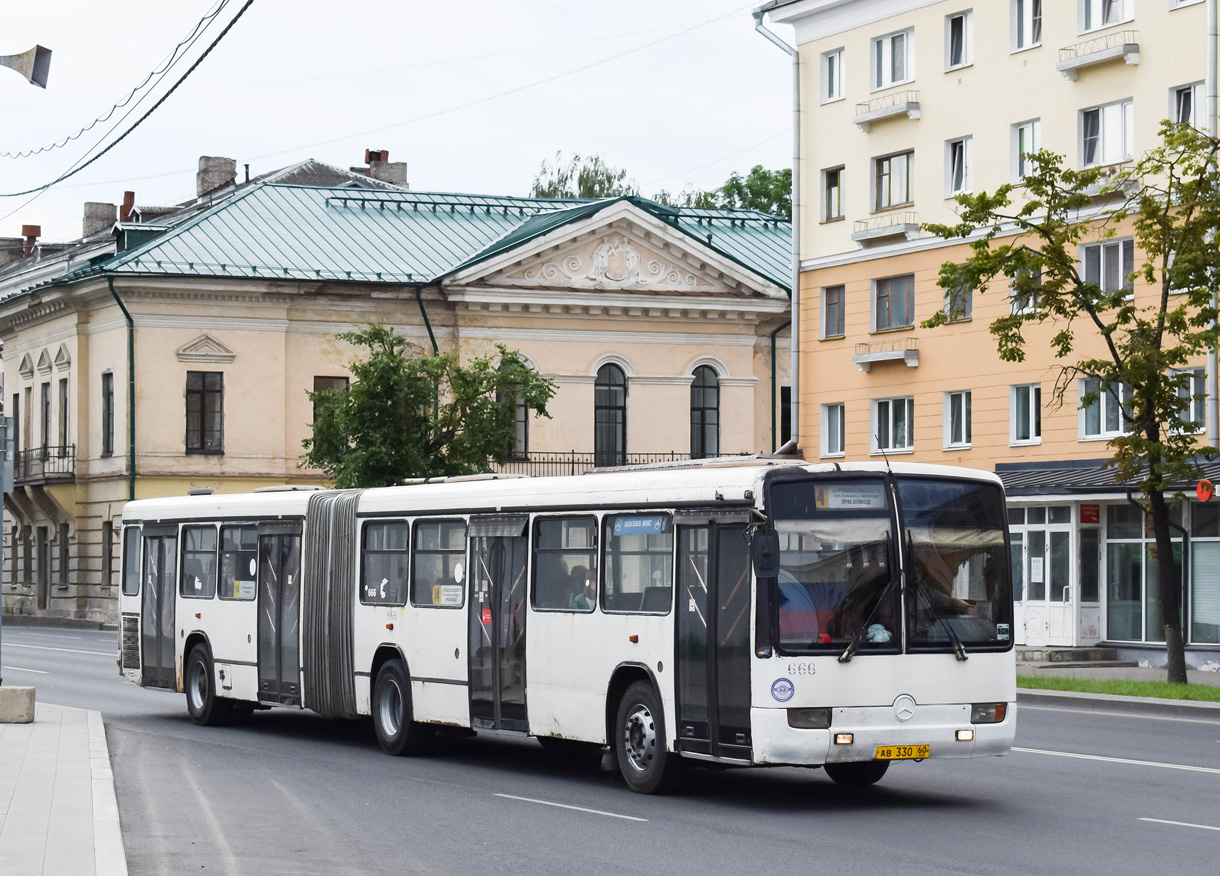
(557, 463)
(51, 464)
(1120, 44)
(904, 224)
(900, 103)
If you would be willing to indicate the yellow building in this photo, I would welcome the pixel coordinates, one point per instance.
(905, 104)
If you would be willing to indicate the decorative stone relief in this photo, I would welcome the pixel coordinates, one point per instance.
(26, 368)
(615, 262)
(63, 359)
(44, 363)
(206, 348)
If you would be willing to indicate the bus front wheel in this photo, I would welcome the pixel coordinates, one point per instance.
(202, 703)
(639, 742)
(857, 775)
(397, 732)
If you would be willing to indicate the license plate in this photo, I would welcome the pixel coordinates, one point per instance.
(903, 752)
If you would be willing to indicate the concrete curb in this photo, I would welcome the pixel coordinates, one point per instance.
(1143, 706)
(110, 858)
(63, 623)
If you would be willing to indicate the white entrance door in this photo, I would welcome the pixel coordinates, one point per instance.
(1042, 584)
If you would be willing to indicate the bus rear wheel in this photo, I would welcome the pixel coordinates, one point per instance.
(857, 775)
(397, 732)
(639, 742)
(204, 706)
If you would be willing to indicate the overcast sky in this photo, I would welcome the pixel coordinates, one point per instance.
(677, 91)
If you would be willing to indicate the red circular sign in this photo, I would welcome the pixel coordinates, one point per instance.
(1205, 490)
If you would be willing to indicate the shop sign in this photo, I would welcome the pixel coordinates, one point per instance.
(1090, 514)
(1205, 490)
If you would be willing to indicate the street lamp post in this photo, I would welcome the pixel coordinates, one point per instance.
(34, 65)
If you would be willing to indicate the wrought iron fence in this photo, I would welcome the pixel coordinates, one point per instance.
(51, 463)
(554, 463)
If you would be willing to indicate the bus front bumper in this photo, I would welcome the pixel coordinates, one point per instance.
(936, 726)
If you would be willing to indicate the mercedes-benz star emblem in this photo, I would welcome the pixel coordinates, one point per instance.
(904, 707)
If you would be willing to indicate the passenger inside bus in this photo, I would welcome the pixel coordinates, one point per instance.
(581, 596)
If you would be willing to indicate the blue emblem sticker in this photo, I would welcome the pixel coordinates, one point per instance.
(782, 689)
(650, 525)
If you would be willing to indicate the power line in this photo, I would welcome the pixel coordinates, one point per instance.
(169, 62)
(774, 136)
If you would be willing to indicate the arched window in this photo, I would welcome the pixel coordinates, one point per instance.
(704, 413)
(519, 444)
(610, 416)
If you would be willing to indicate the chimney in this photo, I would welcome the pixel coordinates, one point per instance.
(31, 233)
(129, 204)
(381, 168)
(98, 217)
(214, 173)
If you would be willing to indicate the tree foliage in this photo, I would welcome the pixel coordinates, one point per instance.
(1137, 335)
(408, 415)
(769, 191)
(581, 177)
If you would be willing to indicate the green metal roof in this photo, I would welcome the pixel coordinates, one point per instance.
(344, 234)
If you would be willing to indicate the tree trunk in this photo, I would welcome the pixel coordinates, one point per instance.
(1169, 583)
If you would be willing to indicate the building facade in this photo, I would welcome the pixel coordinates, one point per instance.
(904, 105)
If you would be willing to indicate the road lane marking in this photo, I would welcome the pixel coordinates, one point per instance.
(51, 636)
(228, 860)
(1097, 714)
(1180, 823)
(566, 806)
(22, 669)
(1149, 763)
(65, 650)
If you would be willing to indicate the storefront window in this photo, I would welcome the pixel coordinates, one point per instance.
(1205, 574)
(1133, 608)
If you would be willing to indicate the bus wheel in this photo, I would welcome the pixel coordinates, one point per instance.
(857, 775)
(397, 733)
(202, 703)
(639, 742)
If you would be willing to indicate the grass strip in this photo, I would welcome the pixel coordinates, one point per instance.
(1119, 687)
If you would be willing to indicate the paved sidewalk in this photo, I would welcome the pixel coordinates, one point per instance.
(58, 813)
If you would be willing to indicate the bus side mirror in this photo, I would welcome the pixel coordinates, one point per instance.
(765, 548)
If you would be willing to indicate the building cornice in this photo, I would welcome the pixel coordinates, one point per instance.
(818, 19)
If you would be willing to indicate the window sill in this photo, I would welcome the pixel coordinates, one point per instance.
(832, 220)
(205, 453)
(954, 195)
(888, 452)
(1101, 437)
(895, 84)
(892, 329)
(959, 67)
(832, 456)
(880, 211)
(1019, 49)
(1102, 27)
(962, 321)
(1031, 443)
(953, 447)
(837, 337)
(829, 100)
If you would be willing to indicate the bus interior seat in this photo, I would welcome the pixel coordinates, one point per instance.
(656, 599)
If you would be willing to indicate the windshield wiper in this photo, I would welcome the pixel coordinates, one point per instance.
(922, 586)
(850, 651)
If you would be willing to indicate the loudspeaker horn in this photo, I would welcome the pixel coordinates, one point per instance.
(34, 65)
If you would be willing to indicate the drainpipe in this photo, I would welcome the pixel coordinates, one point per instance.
(436, 390)
(1213, 402)
(131, 392)
(774, 434)
(791, 445)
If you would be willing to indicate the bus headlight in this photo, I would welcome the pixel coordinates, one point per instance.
(988, 713)
(809, 719)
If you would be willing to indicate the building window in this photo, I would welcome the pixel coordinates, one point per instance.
(27, 544)
(1185, 102)
(1110, 265)
(893, 59)
(1026, 415)
(957, 420)
(833, 431)
(959, 40)
(204, 412)
(63, 415)
(832, 312)
(893, 302)
(1178, 4)
(958, 159)
(1026, 24)
(63, 554)
(832, 76)
(1026, 140)
(1023, 302)
(892, 180)
(704, 414)
(1133, 610)
(107, 553)
(1096, 14)
(1105, 416)
(832, 194)
(893, 424)
(519, 443)
(46, 417)
(785, 415)
(959, 304)
(16, 422)
(1205, 574)
(327, 384)
(107, 414)
(610, 416)
(1193, 390)
(1106, 134)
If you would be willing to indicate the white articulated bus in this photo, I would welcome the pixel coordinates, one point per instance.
(741, 611)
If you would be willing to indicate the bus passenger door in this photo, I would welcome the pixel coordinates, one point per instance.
(157, 607)
(279, 613)
(497, 623)
(713, 618)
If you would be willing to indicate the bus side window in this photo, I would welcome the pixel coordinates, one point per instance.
(238, 562)
(383, 563)
(198, 579)
(131, 560)
(638, 563)
(565, 563)
(440, 551)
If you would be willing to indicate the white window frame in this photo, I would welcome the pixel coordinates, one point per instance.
(1032, 402)
(967, 312)
(1095, 15)
(1182, 4)
(831, 414)
(1122, 248)
(881, 74)
(1017, 308)
(888, 406)
(1114, 119)
(909, 157)
(826, 205)
(1198, 96)
(832, 75)
(961, 398)
(1022, 19)
(826, 333)
(1104, 401)
(1031, 130)
(967, 19)
(1196, 412)
(959, 148)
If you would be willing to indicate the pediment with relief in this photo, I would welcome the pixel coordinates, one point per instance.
(206, 348)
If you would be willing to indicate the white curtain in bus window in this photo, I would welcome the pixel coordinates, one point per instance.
(198, 562)
(440, 556)
(639, 563)
(383, 561)
(565, 564)
(238, 562)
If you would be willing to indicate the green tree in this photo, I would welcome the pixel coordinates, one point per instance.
(1133, 339)
(408, 415)
(581, 177)
(769, 191)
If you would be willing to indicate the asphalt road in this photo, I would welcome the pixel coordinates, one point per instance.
(296, 794)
